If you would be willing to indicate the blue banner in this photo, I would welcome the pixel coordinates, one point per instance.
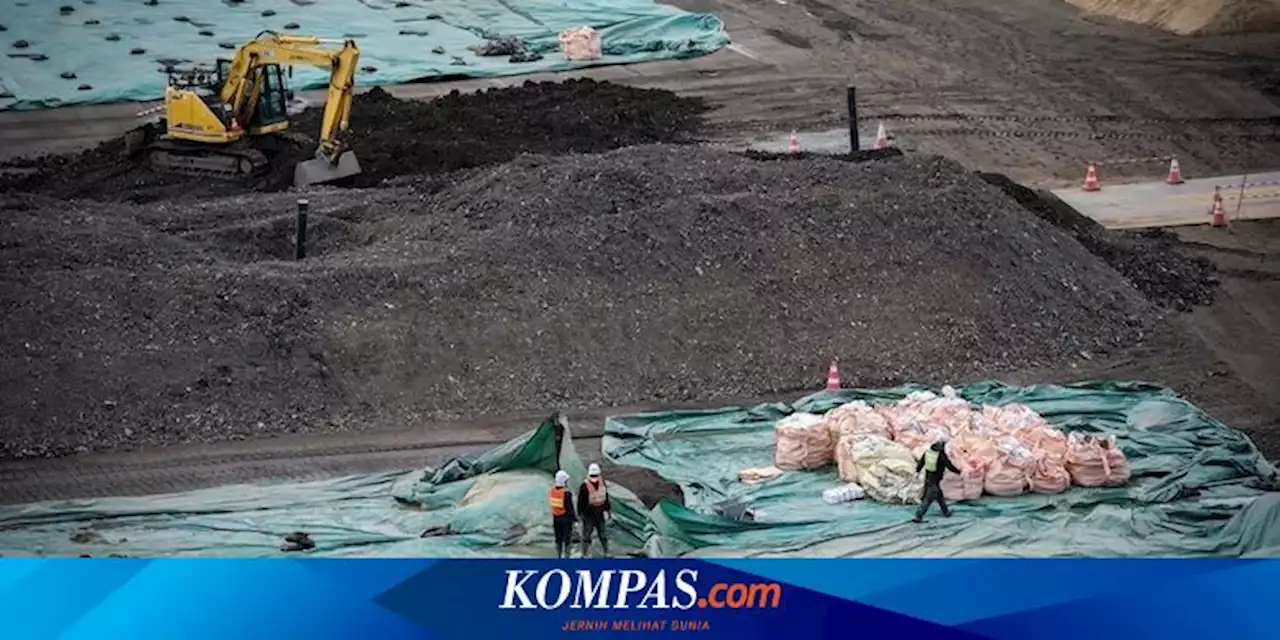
(740, 599)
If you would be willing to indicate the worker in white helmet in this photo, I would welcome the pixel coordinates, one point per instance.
(593, 504)
(562, 514)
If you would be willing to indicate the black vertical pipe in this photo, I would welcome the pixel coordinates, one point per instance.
(852, 98)
(300, 251)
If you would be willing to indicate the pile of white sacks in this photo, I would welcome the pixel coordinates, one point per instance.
(1002, 451)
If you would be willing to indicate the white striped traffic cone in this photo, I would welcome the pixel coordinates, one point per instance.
(793, 147)
(833, 377)
(882, 137)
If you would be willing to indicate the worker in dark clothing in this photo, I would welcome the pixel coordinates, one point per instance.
(593, 504)
(562, 514)
(934, 463)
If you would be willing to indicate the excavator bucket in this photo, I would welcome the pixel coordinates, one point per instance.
(319, 170)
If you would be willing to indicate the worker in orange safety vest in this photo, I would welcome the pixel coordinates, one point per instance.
(562, 514)
(593, 504)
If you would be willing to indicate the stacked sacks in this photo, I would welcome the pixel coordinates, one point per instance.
(1048, 473)
(802, 441)
(886, 470)
(1007, 474)
(972, 454)
(847, 424)
(1095, 461)
(857, 418)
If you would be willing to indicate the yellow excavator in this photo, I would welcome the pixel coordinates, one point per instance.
(227, 122)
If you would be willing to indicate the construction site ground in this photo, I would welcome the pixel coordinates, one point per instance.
(1034, 90)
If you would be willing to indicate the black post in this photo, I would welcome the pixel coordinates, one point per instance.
(300, 251)
(852, 98)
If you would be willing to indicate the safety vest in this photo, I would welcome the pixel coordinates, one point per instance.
(557, 501)
(596, 494)
(931, 461)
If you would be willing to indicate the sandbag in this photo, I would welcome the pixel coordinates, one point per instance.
(802, 441)
(887, 470)
(913, 428)
(1096, 461)
(970, 482)
(857, 419)
(1007, 474)
(1043, 439)
(1048, 475)
(846, 465)
(580, 44)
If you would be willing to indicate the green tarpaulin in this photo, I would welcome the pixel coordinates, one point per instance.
(116, 49)
(1195, 492)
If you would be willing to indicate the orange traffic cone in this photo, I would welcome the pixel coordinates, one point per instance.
(1175, 173)
(882, 137)
(833, 377)
(1091, 179)
(1218, 217)
(793, 147)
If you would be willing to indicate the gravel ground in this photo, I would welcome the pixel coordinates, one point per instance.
(656, 273)
(1151, 260)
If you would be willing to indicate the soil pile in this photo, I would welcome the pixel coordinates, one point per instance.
(652, 273)
(1151, 260)
(394, 137)
(1192, 17)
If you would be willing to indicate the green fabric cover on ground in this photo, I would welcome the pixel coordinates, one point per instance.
(1190, 495)
(503, 511)
(400, 40)
(1193, 493)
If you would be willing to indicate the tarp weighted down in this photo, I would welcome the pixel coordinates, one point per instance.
(1191, 494)
(490, 505)
(402, 41)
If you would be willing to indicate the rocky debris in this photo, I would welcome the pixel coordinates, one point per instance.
(1151, 260)
(86, 536)
(298, 541)
(657, 273)
(395, 137)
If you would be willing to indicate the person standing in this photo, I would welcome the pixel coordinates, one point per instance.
(562, 514)
(593, 504)
(934, 463)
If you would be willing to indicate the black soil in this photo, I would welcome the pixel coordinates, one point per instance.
(1152, 260)
(656, 273)
(395, 137)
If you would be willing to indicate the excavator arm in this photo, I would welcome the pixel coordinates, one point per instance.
(240, 90)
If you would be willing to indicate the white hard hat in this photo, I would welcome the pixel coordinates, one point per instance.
(593, 470)
(562, 478)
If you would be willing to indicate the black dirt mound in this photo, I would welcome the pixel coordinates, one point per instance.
(656, 273)
(459, 131)
(394, 137)
(1151, 260)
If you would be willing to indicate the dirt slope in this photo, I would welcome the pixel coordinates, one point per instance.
(658, 273)
(1193, 17)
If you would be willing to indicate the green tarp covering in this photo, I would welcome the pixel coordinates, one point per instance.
(1195, 492)
(400, 40)
(1191, 485)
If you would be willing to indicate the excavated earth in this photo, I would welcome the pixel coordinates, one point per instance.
(653, 273)
(394, 137)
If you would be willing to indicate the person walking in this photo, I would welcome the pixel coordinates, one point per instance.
(593, 504)
(562, 514)
(934, 463)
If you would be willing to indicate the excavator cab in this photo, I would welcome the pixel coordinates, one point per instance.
(271, 113)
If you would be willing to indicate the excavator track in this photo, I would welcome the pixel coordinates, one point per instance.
(230, 162)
